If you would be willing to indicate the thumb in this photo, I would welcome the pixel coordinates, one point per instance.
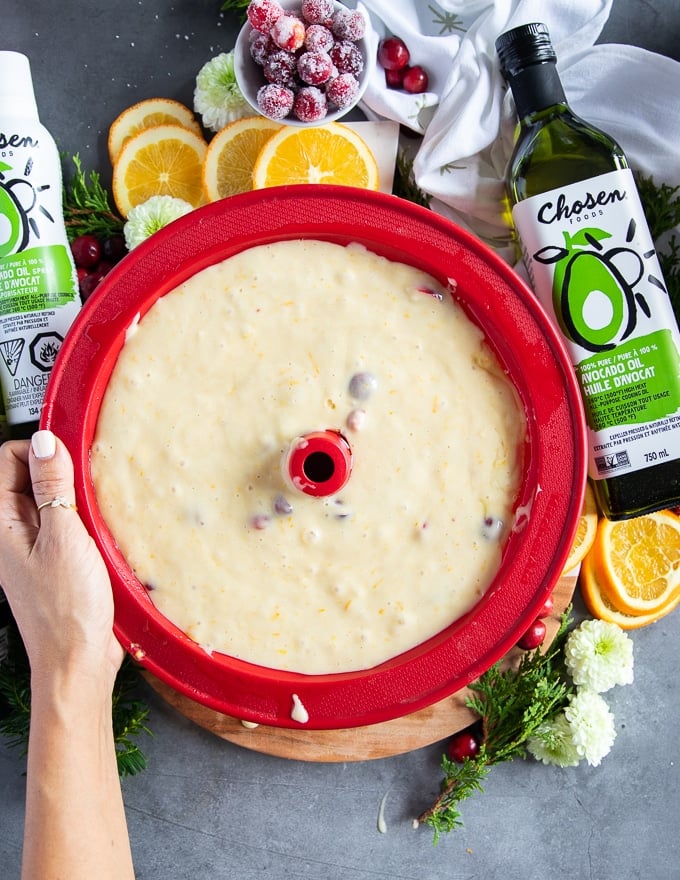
(51, 470)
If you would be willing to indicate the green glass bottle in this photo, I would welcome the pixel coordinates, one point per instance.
(592, 264)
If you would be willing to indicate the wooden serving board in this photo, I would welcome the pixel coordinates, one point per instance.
(382, 740)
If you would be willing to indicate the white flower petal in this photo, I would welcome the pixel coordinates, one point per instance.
(152, 215)
(553, 743)
(592, 725)
(599, 655)
(217, 97)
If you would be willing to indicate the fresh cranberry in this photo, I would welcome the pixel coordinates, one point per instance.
(547, 607)
(463, 745)
(113, 248)
(89, 283)
(394, 79)
(533, 637)
(393, 53)
(81, 272)
(86, 251)
(415, 80)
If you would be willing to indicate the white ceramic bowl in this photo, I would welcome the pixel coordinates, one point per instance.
(250, 77)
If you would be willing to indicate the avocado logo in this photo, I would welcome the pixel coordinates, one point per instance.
(18, 199)
(594, 289)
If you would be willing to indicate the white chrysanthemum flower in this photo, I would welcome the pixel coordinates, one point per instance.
(217, 96)
(152, 215)
(599, 655)
(553, 743)
(592, 725)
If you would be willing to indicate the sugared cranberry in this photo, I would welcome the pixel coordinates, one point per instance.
(310, 104)
(275, 101)
(342, 90)
(349, 24)
(86, 251)
(463, 745)
(261, 47)
(533, 637)
(263, 14)
(317, 11)
(314, 68)
(415, 80)
(288, 32)
(318, 39)
(347, 57)
(280, 68)
(393, 53)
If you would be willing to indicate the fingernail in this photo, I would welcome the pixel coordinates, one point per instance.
(44, 444)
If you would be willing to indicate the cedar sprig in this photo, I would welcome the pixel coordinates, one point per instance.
(511, 702)
(404, 182)
(87, 210)
(129, 715)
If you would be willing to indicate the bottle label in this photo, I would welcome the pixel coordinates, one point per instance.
(592, 263)
(38, 284)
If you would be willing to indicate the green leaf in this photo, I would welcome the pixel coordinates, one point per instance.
(238, 6)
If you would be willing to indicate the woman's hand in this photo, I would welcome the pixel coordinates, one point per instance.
(50, 568)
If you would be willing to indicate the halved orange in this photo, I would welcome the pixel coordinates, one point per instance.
(638, 561)
(331, 153)
(148, 114)
(231, 156)
(585, 533)
(166, 160)
(598, 603)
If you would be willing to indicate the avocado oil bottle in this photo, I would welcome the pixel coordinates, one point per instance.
(39, 297)
(592, 264)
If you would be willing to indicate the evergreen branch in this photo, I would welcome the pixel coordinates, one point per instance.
(512, 702)
(460, 782)
(87, 210)
(662, 210)
(238, 6)
(129, 714)
(404, 184)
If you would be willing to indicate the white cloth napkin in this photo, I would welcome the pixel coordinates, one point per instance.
(467, 119)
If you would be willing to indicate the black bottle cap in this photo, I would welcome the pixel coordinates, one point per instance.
(524, 45)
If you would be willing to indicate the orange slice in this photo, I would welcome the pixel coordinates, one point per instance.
(148, 114)
(599, 605)
(585, 533)
(638, 561)
(232, 153)
(166, 160)
(331, 153)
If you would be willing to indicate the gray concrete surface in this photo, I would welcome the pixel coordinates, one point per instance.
(205, 808)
